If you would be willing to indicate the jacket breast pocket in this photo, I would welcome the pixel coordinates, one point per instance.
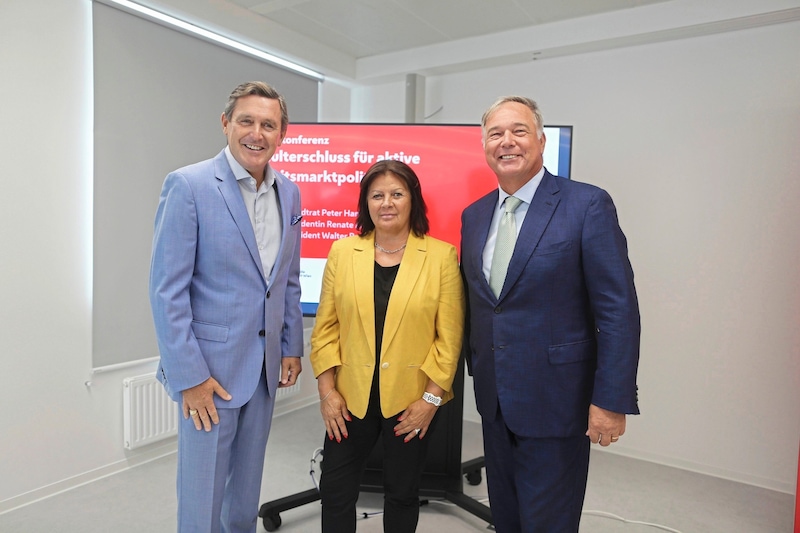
(573, 352)
(553, 248)
(210, 332)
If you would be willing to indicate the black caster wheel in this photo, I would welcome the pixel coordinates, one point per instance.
(272, 522)
(474, 477)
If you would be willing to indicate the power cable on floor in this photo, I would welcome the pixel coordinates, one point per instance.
(318, 453)
(604, 514)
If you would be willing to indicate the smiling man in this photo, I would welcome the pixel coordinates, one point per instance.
(225, 295)
(552, 336)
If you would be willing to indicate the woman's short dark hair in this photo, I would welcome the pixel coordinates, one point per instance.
(419, 211)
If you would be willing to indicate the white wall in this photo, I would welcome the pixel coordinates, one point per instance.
(697, 141)
(57, 431)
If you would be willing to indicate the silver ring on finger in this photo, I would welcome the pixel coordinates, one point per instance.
(416, 431)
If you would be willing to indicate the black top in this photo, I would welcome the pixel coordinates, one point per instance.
(384, 280)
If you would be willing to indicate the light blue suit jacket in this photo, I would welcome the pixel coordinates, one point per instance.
(564, 332)
(216, 313)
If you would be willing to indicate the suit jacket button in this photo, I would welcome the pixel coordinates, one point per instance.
(261, 333)
(498, 310)
(385, 365)
(267, 294)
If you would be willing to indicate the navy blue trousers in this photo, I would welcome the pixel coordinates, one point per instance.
(535, 485)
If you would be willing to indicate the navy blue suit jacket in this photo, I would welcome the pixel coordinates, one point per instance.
(565, 330)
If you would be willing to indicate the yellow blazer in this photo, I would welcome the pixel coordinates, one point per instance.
(423, 330)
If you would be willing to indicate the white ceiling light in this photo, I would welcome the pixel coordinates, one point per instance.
(215, 37)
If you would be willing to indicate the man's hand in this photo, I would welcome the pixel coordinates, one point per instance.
(290, 369)
(198, 402)
(605, 427)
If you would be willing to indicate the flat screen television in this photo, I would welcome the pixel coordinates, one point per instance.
(327, 161)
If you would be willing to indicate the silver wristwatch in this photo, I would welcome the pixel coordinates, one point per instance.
(430, 398)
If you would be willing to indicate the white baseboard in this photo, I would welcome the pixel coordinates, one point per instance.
(293, 404)
(146, 455)
(169, 446)
(673, 462)
(162, 449)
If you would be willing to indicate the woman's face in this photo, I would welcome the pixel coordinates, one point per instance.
(389, 202)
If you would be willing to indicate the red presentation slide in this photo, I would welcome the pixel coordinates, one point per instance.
(328, 161)
(797, 499)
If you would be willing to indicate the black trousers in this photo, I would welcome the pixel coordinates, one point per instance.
(343, 463)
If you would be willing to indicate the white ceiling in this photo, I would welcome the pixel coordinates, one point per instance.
(363, 28)
(373, 41)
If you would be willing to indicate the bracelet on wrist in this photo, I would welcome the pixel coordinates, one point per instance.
(432, 399)
(326, 396)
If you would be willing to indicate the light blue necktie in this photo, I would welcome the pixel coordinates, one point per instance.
(504, 245)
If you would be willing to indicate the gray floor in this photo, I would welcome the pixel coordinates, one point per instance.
(651, 497)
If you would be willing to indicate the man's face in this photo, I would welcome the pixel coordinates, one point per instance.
(254, 132)
(511, 143)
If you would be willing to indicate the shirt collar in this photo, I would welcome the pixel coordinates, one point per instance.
(240, 173)
(526, 192)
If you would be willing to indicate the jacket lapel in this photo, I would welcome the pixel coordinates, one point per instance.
(285, 206)
(484, 211)
(229, 188)
(364, 275)
(541, 210)
(407, 276)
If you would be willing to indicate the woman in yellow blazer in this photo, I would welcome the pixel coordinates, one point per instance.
(385, 347)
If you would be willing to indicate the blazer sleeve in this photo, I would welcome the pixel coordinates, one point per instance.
(171, 270)
(612, 296)
(442, 360)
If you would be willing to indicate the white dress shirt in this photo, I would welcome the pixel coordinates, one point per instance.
(264, 211)
(525, 193)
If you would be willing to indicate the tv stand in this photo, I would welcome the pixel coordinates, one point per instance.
(442, 477)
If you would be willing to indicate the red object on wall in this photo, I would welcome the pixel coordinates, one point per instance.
(797, 499)
(328, 161)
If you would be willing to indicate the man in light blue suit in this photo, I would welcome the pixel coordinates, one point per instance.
(225, 295)
(553, 334)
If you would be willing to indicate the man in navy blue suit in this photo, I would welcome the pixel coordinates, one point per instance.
(553, 337)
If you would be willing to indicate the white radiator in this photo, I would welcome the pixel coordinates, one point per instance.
(287, 392)
(149, 415)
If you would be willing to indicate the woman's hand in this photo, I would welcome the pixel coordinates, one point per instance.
(334, 414)
(415, 420)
